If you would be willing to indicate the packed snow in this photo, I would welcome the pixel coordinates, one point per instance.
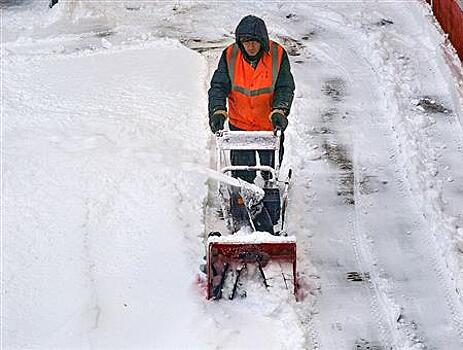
(107, 165)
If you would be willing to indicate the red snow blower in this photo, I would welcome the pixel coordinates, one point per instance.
(253, 251)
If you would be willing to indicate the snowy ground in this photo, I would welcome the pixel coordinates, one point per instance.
(105, 146)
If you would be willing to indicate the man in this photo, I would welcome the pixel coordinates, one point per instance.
(254, 75)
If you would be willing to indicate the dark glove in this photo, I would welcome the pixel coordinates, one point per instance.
(279, 120)
(217, 120)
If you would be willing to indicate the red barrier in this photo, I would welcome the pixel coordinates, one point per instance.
(449, 13)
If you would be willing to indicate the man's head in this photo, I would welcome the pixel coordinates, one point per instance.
(251, 35)
(251, 46)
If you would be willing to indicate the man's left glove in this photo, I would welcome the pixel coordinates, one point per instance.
(217, 120)
(279, 120)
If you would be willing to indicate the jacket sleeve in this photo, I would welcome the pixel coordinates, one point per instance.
(220, 86)
(284, 87)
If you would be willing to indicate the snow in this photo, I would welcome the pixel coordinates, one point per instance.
(251, 237)
(107, 159)
(93, 188)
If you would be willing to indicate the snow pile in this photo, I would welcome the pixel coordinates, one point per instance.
(94, 188)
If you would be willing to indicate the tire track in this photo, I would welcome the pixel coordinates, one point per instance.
(406, 192)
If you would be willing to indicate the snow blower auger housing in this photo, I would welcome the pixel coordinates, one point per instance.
(255, 246)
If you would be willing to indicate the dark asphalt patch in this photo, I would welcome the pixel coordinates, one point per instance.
(328, 115)
(10, 3)
(309, 35)
(321, 131)
(355, 276)
(292, 46)
(334, 88)
(338, 156)
(369, 184)
(201, 45)
(384, 22)
(104, 33)
(431, 105)
(363, 344)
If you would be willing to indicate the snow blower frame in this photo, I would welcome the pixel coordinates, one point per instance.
(232, 252)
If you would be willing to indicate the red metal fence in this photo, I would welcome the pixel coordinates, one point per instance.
(449, 13)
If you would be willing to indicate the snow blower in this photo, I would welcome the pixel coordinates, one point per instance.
(255, 246)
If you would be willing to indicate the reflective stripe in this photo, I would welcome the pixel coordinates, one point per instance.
(248, 92)
(274, 64)
(231, 64)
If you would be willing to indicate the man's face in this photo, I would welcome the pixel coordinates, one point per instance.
(252, 47)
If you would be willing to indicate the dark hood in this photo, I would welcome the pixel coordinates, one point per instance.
(253, 27)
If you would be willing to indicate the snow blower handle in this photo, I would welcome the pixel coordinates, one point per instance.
(281, 137)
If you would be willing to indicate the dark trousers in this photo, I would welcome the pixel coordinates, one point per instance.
(248, 157)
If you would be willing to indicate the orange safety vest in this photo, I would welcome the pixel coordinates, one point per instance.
(251, 95)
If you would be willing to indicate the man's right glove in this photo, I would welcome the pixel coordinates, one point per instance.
(217, 120)
(279, 120)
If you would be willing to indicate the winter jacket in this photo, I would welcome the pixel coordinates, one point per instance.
(221, 85)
